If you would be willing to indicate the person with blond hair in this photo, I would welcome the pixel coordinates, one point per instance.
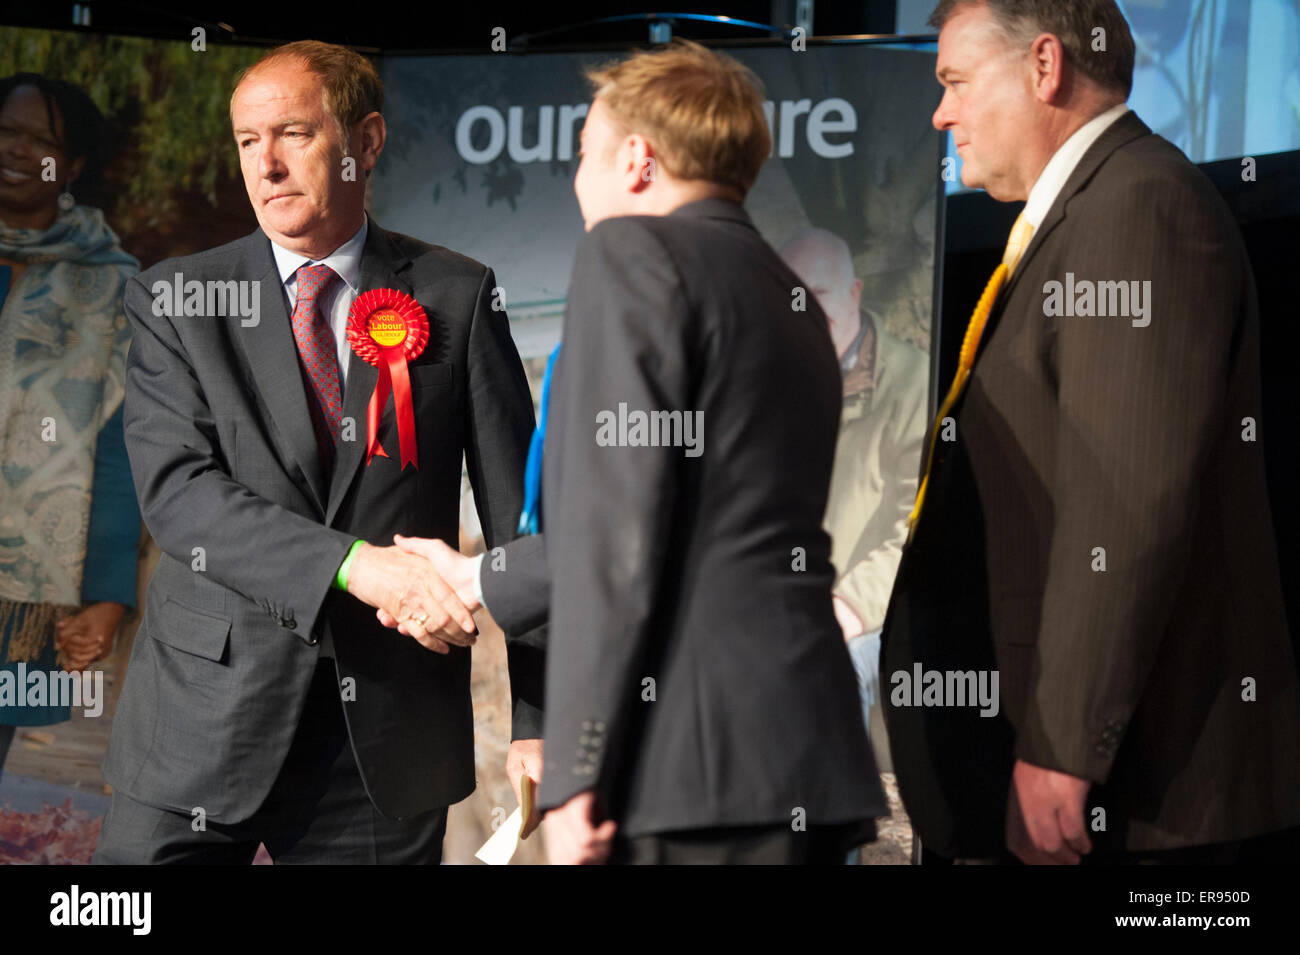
(700, 703)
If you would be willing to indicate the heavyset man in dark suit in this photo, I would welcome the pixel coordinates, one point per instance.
(1098, 528)
(700, 703)
(265, 703)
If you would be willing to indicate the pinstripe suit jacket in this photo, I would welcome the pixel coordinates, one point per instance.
(1099, 532)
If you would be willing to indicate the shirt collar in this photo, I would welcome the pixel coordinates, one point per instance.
(851, 356)
(1054, 175)
(345, 260)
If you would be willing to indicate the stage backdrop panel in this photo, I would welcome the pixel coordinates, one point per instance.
(482, 152)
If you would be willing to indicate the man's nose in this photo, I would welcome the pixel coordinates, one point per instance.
(942, 118)
(269, 165)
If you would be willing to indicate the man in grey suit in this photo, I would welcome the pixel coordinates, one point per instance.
(264, 702)
(701, 705)
(1094, 523)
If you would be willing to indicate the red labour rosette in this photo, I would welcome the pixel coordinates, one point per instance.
(388, 328)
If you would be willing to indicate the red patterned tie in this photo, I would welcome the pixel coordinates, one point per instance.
(320, 362)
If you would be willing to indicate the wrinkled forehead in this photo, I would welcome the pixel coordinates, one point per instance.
(280, 88)
(969, 39)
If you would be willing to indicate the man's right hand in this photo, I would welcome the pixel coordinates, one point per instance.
(573, 835)
(453, 567)
(410, 591)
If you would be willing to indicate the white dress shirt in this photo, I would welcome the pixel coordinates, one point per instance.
(1052, 179)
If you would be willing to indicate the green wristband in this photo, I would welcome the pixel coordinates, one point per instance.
(341, 578)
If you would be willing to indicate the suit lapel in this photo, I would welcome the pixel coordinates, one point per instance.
(381, 264)
(1124, 130)
(272, 357)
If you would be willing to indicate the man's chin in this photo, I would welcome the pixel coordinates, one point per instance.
(1001, 190)
(1003, 193)
(286, 228)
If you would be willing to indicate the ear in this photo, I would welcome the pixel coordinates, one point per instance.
(372, 135)
(75, 169)
(855, 292)
(638, 165)
(1047, 59)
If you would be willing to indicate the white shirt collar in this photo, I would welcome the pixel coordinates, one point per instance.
(1058, 169)
(345, 260)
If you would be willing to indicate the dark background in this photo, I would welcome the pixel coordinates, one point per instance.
(440, 26)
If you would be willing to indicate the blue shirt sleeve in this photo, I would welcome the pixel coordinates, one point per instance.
(112, 544)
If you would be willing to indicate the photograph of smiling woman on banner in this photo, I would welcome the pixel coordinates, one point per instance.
(69, 524)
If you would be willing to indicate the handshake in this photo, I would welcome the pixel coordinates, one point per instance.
(426, 590)
(421, 587)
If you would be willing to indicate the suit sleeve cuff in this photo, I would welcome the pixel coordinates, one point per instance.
(1091, 760)
(526, 721)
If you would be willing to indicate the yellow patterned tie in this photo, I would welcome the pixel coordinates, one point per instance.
(1021, 233)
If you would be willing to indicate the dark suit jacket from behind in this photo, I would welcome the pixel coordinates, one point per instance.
(1079, 433)
(252, 533)
(696, 676)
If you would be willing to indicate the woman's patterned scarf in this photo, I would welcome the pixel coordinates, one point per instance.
(63, 342)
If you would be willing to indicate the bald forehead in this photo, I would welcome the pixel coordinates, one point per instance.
(819, 254)
(283, 78)
(286, 71)
(969, 36)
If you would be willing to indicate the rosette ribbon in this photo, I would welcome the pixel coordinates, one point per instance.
(388, 328)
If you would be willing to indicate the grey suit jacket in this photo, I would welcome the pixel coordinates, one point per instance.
(1099, 533)
(517, 587)
(230, 485)
(695, 673)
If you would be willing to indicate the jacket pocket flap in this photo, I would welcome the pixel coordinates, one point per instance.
(432, 375)
(192, 630)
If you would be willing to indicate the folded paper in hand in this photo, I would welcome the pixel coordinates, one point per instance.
(503, 844)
